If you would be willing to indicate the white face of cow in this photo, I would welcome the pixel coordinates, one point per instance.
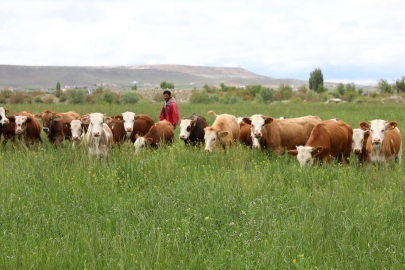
(139, 144)
(76, 128)
(257, 123)
(358, 139)
(305, 155)
(185, 129)
(377, 132)
(211, 139)
(21, 124)
(129, 119)
(3, 118)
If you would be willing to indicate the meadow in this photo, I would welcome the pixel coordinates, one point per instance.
(182, 208)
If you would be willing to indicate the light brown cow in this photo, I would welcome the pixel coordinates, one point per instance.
(384, 143)
(276, 135)
(161, 132)
(225, 131)
(26, 127)
(328, 139)
(55, 125)
(99, 139)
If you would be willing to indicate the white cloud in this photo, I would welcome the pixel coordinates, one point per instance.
(274, 38)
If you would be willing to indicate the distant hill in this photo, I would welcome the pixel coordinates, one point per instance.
(147, 76)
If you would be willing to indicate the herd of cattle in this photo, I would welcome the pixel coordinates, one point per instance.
(309, 138)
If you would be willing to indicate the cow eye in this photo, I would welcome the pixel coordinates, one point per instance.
(383, 130)
(188, 129)
(371, 131)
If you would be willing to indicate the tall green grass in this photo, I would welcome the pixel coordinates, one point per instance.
(183, 208)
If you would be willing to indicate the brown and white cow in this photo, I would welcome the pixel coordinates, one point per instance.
(55, 124)
(359, 144)
(279, 134)
(3, 119)
(328, 139)
(161, 132)
(26, 127)
(78, 132)
(384, 143)
(99, 138)
(192, 130)
(225, 131)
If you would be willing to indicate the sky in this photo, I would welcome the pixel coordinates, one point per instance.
(360, 41)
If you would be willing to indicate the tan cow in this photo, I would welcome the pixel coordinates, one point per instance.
(384, 143)
(161, 132)
(328, 139)
(224, 131)
(279, 134)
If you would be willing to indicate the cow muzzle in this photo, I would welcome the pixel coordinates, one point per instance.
(357, 151)
(208, 150)
(18, 132)
(45, 129)
(75, 138)
(182, 137)
(129, 129)
(376, 141)
(257, 135)
(96, 134)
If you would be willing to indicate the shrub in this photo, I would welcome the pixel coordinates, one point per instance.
(38, 100)
(267, 94)
(18, 98)
(312, 96)
(229, 100)
(48, 100)
(75, 96)
(63, 97)
(372, 94)
(129, 97)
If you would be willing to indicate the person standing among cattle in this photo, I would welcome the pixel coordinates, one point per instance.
(169, 109)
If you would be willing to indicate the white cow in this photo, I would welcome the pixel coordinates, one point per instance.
(99, 136)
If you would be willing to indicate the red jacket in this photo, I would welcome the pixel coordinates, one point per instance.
(172, 114)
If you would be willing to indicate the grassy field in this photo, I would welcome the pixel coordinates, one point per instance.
(183, 208)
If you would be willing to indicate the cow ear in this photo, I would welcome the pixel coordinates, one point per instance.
(247, 120)
(11, 118)
(267, 120)
(223, 134)
(58, 117)
(316, 151)
(6, 111)
(194, 121)
(38, 116)
(117, 118)
(85, 120)
(107, 119)
(364, 125)
(366, 135)
(136, 136)
(136, 117)
(149, 140)
(292, 152)
(391, 125)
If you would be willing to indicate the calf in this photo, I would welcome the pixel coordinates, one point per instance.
(78, 132)
(27, 127)
(277, 135)
(99, 137)
(128, 124)
(192, 130)
(384, 142)
(359, 143)
(55, 125)
(162, 131)
(328, 139)
(3, 119)
(224, 131)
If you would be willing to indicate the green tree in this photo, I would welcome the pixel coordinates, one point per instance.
(384, 86)
(129, 97)
(285, 91)
(315, 79)
(360, 91)
(400, 85)
(134, 87)
(58, 90)
(253, 89)
(222, 86)
(75, 96)
(341, 89)
(163, 85)
(267, 94)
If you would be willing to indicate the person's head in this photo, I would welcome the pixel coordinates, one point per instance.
(167, 95)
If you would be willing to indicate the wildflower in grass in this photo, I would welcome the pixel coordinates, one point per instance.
(295, 260)
(301, 255)
(207, 218)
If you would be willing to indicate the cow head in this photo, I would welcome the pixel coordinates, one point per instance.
(3, 118)
(186, 125)
(20, 123)
(76, 128)
(141, 142)
(48, 119)
(258, 122)
(96, 123)
(377, 130)
(359, 138)
(129, 120)
(213, 137)
(306, 154)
